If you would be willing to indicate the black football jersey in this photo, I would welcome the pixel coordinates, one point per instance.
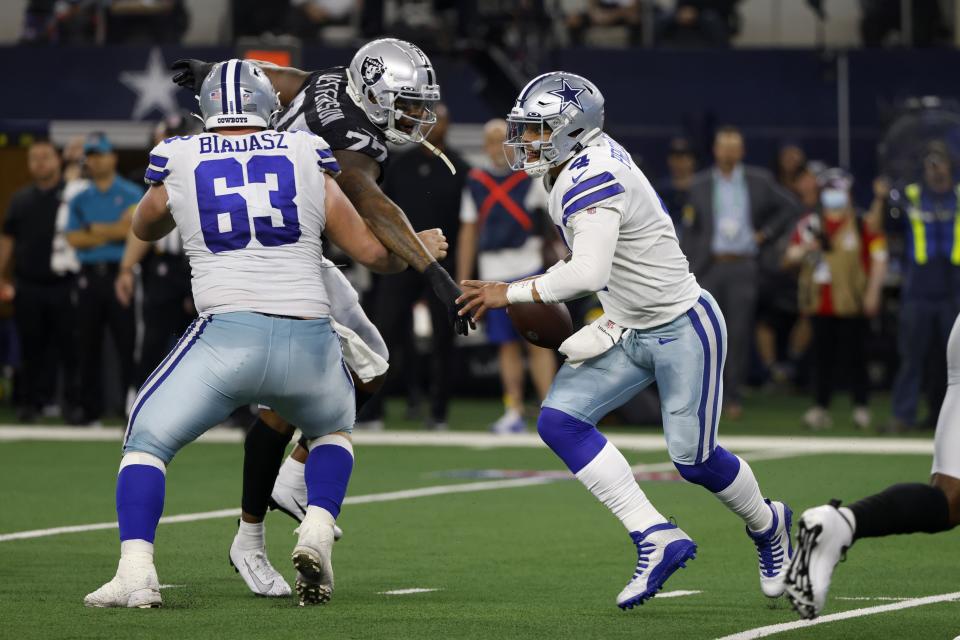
(324, 108)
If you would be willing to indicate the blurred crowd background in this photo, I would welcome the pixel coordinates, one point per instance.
(806, 150)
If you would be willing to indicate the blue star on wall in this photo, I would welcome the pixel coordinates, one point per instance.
(568, 94)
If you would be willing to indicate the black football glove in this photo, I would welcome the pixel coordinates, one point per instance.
(190, 73)
(448, 292)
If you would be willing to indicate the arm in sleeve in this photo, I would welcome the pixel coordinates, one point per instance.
(588, 270)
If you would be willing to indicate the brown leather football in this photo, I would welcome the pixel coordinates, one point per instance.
(545, 325)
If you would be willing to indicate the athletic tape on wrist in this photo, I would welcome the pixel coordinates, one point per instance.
(520, 292)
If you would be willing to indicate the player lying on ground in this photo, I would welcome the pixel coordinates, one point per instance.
(387, 92)
(658, 325)
(264, 333)
(826, 532)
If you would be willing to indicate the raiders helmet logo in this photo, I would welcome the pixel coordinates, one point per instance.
(371, 70)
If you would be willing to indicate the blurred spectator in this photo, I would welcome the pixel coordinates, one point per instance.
(61, 22)
(882, 18)
(503, 218)
(42, 309)
(930, 291)
(681, 165)
(146, 21)
(842, 261)
(606, 13)
(698, 23)
(790, 162)
(255, 17)
(733, 214)
(97, 227)
(155, 278)
(423, 187)
(309, 17)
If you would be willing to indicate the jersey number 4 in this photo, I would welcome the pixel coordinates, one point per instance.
(224, 218)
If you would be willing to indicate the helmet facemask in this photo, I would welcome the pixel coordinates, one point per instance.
(530, 145)
(410, 116)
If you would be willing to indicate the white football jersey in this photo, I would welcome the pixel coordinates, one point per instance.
(650, 283)
(250, 211)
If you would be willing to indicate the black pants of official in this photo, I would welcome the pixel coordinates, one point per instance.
(393, 304)
(43, 315)
(839, 345)
(164, 316)
(99, 309)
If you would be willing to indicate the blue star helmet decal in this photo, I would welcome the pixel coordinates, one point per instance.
(569, 95)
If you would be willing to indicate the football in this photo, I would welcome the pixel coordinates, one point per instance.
(545, 325)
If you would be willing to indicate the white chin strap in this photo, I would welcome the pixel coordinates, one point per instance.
(439, 154)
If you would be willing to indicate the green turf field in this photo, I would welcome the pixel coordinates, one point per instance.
(541, 561)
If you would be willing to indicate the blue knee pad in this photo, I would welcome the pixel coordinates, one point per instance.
(576, 442)
(716, 473)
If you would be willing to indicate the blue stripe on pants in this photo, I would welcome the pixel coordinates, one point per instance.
(705, 385)
(718, 374)
(145, 395)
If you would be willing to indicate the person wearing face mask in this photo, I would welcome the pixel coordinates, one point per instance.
(842, 263)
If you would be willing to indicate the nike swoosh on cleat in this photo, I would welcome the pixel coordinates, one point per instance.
(303, 509)
(667, 340)
(264, 588)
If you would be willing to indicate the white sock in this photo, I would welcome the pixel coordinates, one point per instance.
(318, 516)
(291, 476)
(250, 536)
(136, 550)
(850, 518)
(609, 477)
(743, 497)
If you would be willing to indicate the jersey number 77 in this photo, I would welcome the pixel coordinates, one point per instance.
(225, 219)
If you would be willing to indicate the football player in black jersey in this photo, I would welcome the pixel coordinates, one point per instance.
(386, 93)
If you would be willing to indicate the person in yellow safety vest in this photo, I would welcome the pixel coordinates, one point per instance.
(930, 291)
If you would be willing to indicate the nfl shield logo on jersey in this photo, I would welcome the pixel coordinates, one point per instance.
(371, 70)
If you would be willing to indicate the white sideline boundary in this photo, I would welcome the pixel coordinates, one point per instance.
(763, 632)
(480, 439)
(389, 496)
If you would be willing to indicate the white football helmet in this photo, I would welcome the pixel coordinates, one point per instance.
(568, 105)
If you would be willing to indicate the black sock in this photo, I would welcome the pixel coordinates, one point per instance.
(263, 452)
(361, 398)
(902, 508)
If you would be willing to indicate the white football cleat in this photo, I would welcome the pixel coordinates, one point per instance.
(312, 559)
(255, 569)
(774, 550)
(661, 550)
(823, 537)
(135, 586)
(293, 502)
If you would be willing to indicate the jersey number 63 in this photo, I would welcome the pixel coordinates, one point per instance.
(224, 218)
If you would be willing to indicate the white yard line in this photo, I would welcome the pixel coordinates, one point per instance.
(676, 594)
(389, 496)
(406, 592)
(763, 632)
(633, 442)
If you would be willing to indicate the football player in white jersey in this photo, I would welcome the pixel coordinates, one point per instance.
(658, 325)
(250, 204)
(386, 93)
(825, 533)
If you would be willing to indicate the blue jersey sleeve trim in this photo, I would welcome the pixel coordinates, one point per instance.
(586, 185)
(592, 198)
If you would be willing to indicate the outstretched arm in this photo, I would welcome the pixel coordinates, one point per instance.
(190, 73)
(587, 271)
(349, 232)
(358, 180)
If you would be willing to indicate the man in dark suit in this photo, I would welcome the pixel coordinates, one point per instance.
(733, 214)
